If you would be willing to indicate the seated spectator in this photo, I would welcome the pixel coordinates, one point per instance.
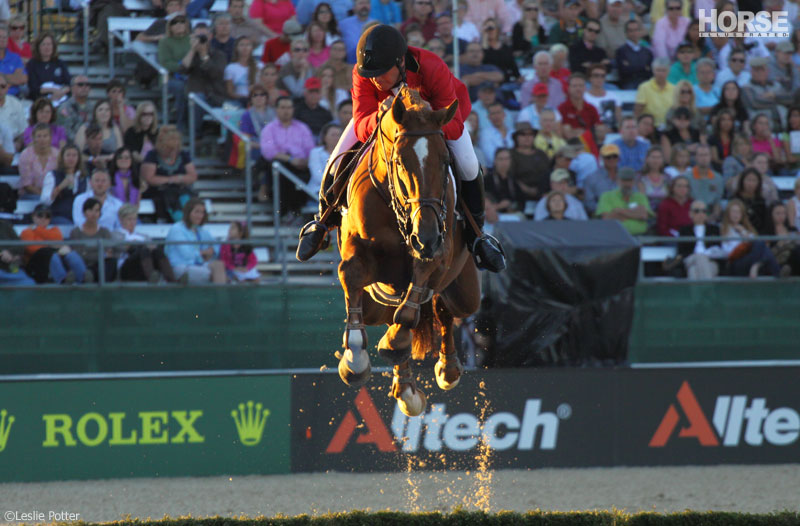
(731, 100)
(685, 67)
(327, 15)
(792, 127)
(786, 251)
(673, 212)
(51, 263)
(646, 129)
(169, 173)
(745, 255)
(548, 140)
(472, 124)
(748, 191)
(272, 13)
(653, 181)
(318, 50)
(204, 68)
(93, 153)
(604, 179)
(239, 259)
(248, 26)
(528, 35)
(126, 184)
(172, 49)
(352, 27)
(42, 111)
(91, 230)
(612, 28)
(289, 141)
(684, 98)
(555, 206)
(608, 104)
(681, 131)
(496, 134)
(258, 115)
(466, 29)
(344, 113)
(706, 184)
(318, 158)
(700, 258)
(760, 161)
(11, 64)
(497, 52)
(738, 158)
(669, 31)
(633, 60)
(139, 262)
(579, 118)
(763, 96)
(111, 135)
(48, 75)
(542, 67)
(656, 95)
(330, 95)
(487, 95)
(721, 140)
(421, 14)
(75, 111)
(680, 162)
(793, 206)
(386, 12)
(17, 39)
(782, 69)
(276, 50)
(242, 71)
(222, 40)
(501, 188)
(625, 204)
(764, 142)
(560, 70)
(122, 114)
(444, 31)
(62, 185)
(567, 30)
(530, 113)
(141, 137)
(308, 110)
(585, 51)
(12, 113)
(268, 81)
(736, 70)
(292, 77)
(198, 262)
(706, 95)
(7, 152)
(632, 148)
(582, 162)
(12, 274)
(99, 186)
(560, 185)
(35, 161)
(475, 73)
(529, 165)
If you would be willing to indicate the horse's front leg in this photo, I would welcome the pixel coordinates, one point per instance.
(407, 313)
(355, 272)
(448, 368)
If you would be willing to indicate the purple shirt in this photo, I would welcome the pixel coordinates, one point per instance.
(118, 190)
(58, 133)
(295, 140)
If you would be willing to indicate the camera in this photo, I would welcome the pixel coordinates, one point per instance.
(202, 39)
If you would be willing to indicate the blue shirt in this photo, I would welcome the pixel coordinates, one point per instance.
(632, 156)
(388, 13)
(305, 9)
(8, 65)
(351, 28)
(181, 255)
(705, 100)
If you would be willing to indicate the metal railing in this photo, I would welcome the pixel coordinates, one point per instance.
(278, 168)
(162, 71)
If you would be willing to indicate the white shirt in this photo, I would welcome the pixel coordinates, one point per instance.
(12, 114)
(49, 184)
(108, 213)
(490, 139)
(699, 231)
(583, 165)
(317, 160)
(468, 31)
(7, 140)
(574, 209)
(239, 75)
(530, 114)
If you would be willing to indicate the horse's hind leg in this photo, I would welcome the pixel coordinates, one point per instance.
(354, 274)
(395, 346)
(448, 369)
(410, 400)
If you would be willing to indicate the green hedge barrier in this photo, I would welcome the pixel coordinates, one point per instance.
(503, 518)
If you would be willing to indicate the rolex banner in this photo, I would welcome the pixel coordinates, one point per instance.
(95, 429)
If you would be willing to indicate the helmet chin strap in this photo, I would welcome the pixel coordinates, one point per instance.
(402, 78)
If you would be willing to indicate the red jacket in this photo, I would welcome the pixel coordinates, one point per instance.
(428, 74)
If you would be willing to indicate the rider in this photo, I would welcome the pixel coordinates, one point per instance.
(385, 63)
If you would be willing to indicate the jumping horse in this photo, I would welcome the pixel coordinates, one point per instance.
(404, 262)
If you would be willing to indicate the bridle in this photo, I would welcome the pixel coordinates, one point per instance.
(405, 208)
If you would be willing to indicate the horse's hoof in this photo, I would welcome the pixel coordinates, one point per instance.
(393, 356)
(403, 318)
(350, 377)
(412, 402)
(447, 377)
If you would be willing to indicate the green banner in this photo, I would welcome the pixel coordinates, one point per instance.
(81, 429)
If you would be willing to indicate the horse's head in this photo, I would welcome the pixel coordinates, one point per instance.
(419, 172)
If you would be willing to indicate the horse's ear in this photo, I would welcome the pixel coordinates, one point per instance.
(398, 109)
(445, 115)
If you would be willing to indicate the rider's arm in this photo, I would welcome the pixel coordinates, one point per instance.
(365, 106)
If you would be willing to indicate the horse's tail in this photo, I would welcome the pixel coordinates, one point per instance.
(426, 331)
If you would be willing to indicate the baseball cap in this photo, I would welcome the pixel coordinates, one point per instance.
(559, 174)
(785, 46)
(540, 88)
(292, 27)
(567, 151)
(627, 174)
(313, 83)
(759, 62)
(520, 127)
(609, 149)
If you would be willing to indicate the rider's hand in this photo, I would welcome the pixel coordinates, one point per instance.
(386, 104)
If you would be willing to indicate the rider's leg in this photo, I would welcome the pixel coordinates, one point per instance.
(312, 235)
(485, 249)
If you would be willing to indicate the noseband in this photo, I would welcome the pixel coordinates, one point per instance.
(405, 208)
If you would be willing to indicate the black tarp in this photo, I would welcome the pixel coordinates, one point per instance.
(566, 297)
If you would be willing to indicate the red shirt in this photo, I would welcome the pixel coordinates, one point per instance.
(273, 49)
(587, 118)
(273, 14)
(428, 26)
(436, 84)
(23, 51)
(672, 216)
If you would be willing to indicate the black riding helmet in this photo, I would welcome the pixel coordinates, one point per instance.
(380, 48)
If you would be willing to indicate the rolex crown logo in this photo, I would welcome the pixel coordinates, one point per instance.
(5, 427)
(250, 421)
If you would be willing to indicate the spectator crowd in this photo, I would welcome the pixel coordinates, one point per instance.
(581, 109)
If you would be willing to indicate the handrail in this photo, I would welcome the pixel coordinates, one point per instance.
(279, 169)
(85, 8)
(248, 161)
(162, 71)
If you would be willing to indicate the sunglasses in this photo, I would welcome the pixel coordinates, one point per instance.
(16, 28)
(177, 21)
(673, 8)
(593, 29)
(698, 210)
(300, 49)
(737, 60)
(259, 95)
(612, 156)
(490, 28)
(81, 84)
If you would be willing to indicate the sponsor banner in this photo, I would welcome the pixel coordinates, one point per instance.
(93, 429)
(552, 418)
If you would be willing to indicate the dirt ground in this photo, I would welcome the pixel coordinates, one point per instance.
(757, 489)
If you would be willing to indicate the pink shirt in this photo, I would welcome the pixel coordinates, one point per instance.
(273, 14)
(666, 38)
(31, 171)
(762, 146)
(318, 59)
(479, 10)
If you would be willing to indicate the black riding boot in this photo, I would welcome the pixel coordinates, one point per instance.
(486, 250)
(314, 235)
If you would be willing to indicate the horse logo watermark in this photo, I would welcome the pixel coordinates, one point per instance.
(763, 24)
(250, 421)
(5, 427)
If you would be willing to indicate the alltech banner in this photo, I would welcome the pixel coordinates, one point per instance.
(60, 430)
(538, 418)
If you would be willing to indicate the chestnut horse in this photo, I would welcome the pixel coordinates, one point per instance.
(401, 243)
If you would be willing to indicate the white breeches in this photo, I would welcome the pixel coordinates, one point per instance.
(467, 164)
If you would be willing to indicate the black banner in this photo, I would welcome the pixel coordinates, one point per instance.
(551, 418)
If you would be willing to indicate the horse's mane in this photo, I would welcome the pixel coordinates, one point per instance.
(413, 100)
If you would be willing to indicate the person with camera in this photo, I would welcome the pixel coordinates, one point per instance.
(204, 68)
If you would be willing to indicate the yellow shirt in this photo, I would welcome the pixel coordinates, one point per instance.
(656, 101)
(549, 145)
